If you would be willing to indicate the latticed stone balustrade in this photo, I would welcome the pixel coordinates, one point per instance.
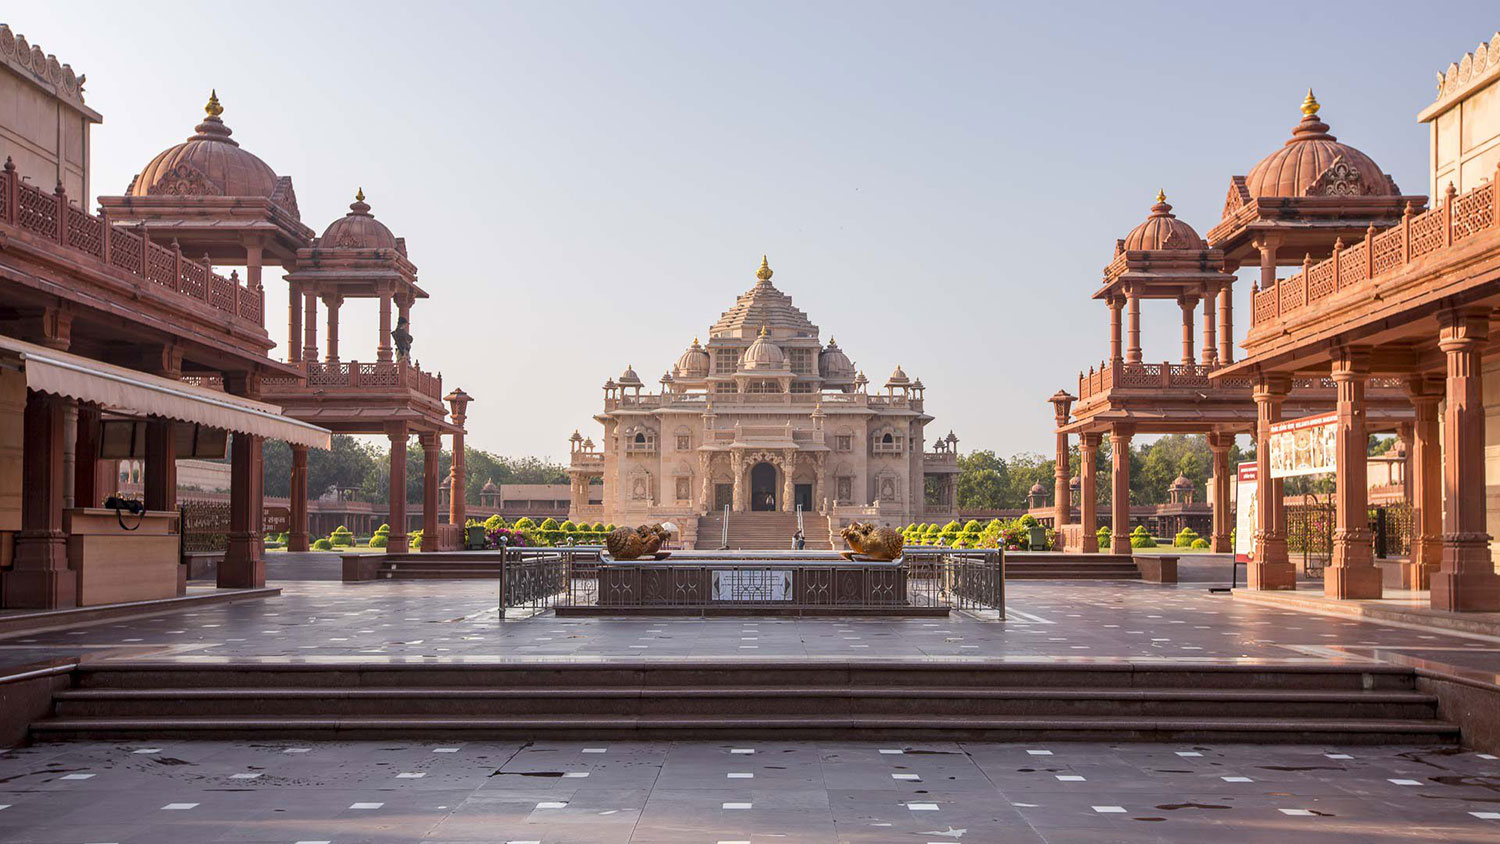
(1459, 218)
(52, 216)
(366, 377)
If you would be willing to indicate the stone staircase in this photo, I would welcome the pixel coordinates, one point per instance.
(798, 699)
(763, 531)
(1050, 565)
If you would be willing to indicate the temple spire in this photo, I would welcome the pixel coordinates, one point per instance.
(1310, 104)
(764, 273)
(213, 109)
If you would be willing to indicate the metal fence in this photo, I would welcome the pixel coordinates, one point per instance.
(934, 578)
(1310, 527)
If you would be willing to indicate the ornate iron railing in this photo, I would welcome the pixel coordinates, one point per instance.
(1457, 219)
(53, 217)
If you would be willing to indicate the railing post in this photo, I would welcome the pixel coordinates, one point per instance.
(177, 269)
(59, 194)
(13, 184)
(1495, 197)
(354, 373)
(1338, 246)
(145, 252)
(1166, 373)
(1370, 251)
(104, 236)
(1448, 214)
(1406, 234)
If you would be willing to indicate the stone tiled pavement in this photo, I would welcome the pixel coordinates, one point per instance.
(708, 793)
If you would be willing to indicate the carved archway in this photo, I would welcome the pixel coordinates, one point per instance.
(763, 488)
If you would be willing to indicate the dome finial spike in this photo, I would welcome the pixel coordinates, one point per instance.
(1310, 104)
(359, 195)
(213, 109)
(1161, 195)
(764, 331)
(764, 273)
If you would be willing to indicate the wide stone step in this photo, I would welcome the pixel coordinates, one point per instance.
(760, 674)
(1090, 728)
(706, 701)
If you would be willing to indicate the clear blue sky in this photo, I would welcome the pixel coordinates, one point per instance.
(586, 185)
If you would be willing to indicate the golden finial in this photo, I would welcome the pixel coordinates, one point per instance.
(359, 195)
(764, 273)
(1310, 104)
(213, 108)
(764, 332)
(1161, 196)
(695, 341)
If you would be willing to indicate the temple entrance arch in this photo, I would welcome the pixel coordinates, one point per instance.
(763, 487)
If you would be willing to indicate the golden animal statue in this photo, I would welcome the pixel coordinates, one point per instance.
(872, 541)
(634, 543)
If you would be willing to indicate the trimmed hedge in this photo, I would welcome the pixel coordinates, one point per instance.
(379, 540)
(1199, 543)
(1141, 538)
(321, 544)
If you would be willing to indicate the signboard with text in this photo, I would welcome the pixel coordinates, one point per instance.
(1248, 502)
(1306, 446)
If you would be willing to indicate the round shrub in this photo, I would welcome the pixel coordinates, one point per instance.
(379, 540)
(1141, 538)
(1027, 521)
(568, 526)
(549, 523)
(1105, 537)
(1184, 538)
(383, 530)
(321, 544)
(494, 523)
(414, 541)
(973, 526)
(524, 523)
(341, 537)
(1200, 543)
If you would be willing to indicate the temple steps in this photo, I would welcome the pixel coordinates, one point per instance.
(763, 531)
(792, 699)
(1055, 566)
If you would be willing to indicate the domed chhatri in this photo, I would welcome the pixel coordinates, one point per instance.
(209, 163)
(1162, 230)
(763, 354)
(693, 363)
(358, 229)
(628, 378)
(1313, 163)
(834, 365)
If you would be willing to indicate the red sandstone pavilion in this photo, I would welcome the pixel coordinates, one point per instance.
(118, 339)
(1386, 324)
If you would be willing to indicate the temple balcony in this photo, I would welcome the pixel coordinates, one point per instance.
(1184, 378)
(64, 253)
(1445, 255)
(375, 383)
(589, 462)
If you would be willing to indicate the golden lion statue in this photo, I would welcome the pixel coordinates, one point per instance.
(876, 543)
(633, 543)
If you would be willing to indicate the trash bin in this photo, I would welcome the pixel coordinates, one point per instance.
(1037, 538)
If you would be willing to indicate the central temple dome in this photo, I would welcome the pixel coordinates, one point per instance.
(1162, 230)
(357, 229)
(207, 164)
(763, 354)
(763, 306)
(1314, 163)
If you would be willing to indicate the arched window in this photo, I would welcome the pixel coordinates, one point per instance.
(888, 439)
(641, 438)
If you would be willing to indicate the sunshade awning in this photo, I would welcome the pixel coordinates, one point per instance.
(141, 394)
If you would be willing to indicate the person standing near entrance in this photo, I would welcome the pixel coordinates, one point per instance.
(799, 542)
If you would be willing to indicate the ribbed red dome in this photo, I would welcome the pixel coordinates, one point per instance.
(357, 229)
(1314, 163)
(1163, 231)
(207, 164)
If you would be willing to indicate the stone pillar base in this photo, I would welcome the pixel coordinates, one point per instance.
(1271, 576)
(398, 544)
(1220, 544)
(1090, 543)
(242, 567)
(1469, 592)
(48, 589)
(1347, 583)
(1414, 576)
(297, 542)
(1120, 544)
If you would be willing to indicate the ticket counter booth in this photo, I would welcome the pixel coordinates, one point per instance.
(66, 538)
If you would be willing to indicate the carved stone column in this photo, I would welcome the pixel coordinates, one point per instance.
(706, 481)
(383, 348)
(1210, 343)
(310, 328)
(397, 433)
(294, 323)
(431, 458)
(1352, 574)
(1115, 305)
(1119, 501)
(86, 462)
(1269, 567)
(788, 486)
(1466, 582)
(332, 303)
(738, 467)
(161, 464)
(244, 565)
(39, 577)
(297, 539)
(1133, 333)
(1188, 304)
(1226, 323)
(1088, 452)
(1220, 443)
(1426, 463)
(1061, 477)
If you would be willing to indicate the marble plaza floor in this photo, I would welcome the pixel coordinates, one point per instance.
(825, 792)
(713, 793)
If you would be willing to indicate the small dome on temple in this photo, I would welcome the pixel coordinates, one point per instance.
(1182, 482)
(1038, 489)
(1304, 166)
(489, 486)
(1162, 230)
(357, 229)
(628, 378)
(588, 444)
(763, 354)
(577, 437)
(833, 363)
(898, 378)
(694, 361)
(208, 163)
(860, 379)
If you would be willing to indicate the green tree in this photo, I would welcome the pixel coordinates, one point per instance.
(983, 481)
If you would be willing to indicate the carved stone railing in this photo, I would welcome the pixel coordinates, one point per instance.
(649, 400)
(1160, 376)
(371, 377)
(588, 460)
(1457, 219)
(52, 216)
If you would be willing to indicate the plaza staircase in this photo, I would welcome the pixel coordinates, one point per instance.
(763, 531)
(440, 565)
(784, 699)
